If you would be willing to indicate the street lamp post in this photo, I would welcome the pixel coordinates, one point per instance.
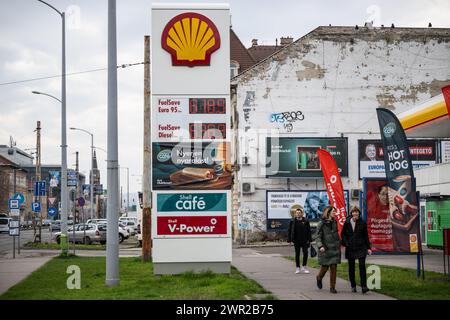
(64, 191)
(91, 187)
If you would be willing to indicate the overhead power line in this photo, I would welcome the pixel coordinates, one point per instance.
(122, 66)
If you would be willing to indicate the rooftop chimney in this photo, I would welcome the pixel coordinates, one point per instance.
(284, 41)
(254, 42)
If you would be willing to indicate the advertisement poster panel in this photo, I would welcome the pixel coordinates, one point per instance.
(192, 166)
(445, 151)
(370, 156)
(297, 157)
(379, 226)
(281, 206)
(54, 178)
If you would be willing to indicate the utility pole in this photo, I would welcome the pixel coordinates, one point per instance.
(146, 191)
(38, 176)
(78, 186)
(112, 239)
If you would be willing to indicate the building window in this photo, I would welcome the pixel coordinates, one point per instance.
(234, 68)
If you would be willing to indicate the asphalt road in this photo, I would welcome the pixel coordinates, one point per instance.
(6, 241)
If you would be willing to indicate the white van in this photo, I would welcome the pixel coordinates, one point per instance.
(4, 224)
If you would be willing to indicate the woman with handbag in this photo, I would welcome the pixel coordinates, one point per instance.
(329, 247)
(299, 233)
(355, 239)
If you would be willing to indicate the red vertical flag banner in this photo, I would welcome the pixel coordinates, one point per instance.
(334, 186)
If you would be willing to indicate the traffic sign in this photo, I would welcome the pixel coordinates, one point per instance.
(39, 188)
(14, 231)
(36, 207)
(13, 204)
(51, 212)
(14, 223)
(19, 196)
(81, 201)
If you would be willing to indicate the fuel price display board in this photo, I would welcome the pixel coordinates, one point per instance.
(190, 118)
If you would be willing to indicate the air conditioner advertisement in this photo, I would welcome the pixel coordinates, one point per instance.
(297, 157)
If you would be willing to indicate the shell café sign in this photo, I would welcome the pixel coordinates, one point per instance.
(190, 38)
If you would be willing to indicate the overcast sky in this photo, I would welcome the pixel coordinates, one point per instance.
(30, 47)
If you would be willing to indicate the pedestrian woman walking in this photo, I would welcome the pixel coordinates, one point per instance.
(300, 234)
(329, 247)
(355, 239)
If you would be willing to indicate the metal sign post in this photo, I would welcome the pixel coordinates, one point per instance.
(14, 211)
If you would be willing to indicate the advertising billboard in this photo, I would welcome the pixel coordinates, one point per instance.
(191, 166)
(281, 206)
(192, 214)
(445, 151)
(370, 156)
(297, 157)
(190, 123)
(54, 178)
(379, 227)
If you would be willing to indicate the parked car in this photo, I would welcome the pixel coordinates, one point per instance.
(4, 224)
(97, 221)
(55, 225)
(84, 233)
(46, 222)
(130, 226)
(125, 219)
(123, 232)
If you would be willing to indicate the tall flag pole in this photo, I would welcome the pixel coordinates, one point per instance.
(403, 210)
(334, 186)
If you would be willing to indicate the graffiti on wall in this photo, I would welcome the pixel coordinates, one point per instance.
(251, 219)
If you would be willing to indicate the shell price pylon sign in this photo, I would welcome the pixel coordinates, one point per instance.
(191, 39)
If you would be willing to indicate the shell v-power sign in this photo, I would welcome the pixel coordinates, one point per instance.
(190, 112)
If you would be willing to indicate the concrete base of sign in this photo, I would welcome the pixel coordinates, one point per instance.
(180, 267)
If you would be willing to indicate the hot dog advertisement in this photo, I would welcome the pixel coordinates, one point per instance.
(402, 197)
(194, 166)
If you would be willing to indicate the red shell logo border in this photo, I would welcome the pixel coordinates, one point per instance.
(175, 61)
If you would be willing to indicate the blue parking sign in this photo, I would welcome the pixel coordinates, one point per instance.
(36, 207)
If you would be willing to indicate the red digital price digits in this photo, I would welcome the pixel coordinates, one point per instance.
(207, 130)
(207, 106)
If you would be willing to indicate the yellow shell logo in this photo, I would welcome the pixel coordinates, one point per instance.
(190, 38)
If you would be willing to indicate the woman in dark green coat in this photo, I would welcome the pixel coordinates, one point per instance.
(328, 242)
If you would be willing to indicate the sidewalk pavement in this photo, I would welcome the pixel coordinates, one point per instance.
(277, 275)
(12, 271)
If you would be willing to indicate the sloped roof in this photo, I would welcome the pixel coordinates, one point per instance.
(261, 52)
(239, 53)
(347, 33)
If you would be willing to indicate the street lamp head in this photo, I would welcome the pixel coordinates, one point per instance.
(72, 128)
(35, 92)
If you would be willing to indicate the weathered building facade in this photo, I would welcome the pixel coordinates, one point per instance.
(328, 84)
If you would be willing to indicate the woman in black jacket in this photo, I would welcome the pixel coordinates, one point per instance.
(300, 234)
(355, 239)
